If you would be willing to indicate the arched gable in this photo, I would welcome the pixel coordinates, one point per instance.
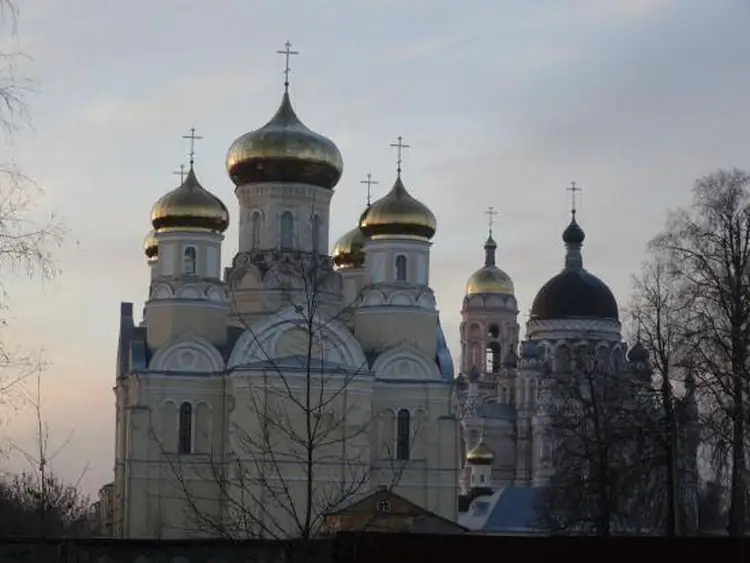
(266, 340)
(405, 362)
(190, 354)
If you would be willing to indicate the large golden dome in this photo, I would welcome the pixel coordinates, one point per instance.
(481, 454)
(284, 150)
(489, 278)
(398, 213)
(151, 246)
(349, 250)
(190, 206)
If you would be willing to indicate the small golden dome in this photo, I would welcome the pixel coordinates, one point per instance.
(481, 454)
(190, 206)
(489, 279)
(284, 150)
(398, 213)
(151, 246)
(349, 250)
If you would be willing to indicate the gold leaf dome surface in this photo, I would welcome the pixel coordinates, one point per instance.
(489, 279)
(190, 206)
(398, 213)
(481, 454)
(284, 150)
(151, 246)
(349, 250)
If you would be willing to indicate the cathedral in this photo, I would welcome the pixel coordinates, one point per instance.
(256, 399)
(253, 399)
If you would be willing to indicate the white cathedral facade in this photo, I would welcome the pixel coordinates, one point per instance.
(292, 378)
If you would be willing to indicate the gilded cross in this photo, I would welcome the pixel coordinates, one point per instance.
(491, 214)
(399, 146)
(573, 189)
(181, 172)
(193, 137)
(369, 181)
(287, 52)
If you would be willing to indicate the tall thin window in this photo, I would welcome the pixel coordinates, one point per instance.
(287, 230)
(403, 435)
(401, 268)
(188, 265)
(255, 229)
(185, 443)
(492, 359)
(316, 233)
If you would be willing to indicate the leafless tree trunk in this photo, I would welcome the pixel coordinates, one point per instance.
(660, 309)
(709, 249)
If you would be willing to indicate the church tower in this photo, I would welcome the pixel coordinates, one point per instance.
(284, 175)
(397, 303)
(187, 293)
(486, 387)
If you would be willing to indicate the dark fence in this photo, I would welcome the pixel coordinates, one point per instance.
(375, 548)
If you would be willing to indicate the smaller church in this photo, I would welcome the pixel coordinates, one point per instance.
(503, 388)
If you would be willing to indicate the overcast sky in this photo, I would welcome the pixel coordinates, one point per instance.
(504, 103)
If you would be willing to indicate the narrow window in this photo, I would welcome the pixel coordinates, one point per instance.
(316, 233)
(287, 230)
(255, 229)
(401, 268)
(189, 261)
(403, 435)
(492, 362)
(185, 445)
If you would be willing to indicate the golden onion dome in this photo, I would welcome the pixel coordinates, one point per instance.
(349, 250)
(151, 246)
(190, 206)
(481, 454)
(284, 150)
(489, 278)
(398, 213)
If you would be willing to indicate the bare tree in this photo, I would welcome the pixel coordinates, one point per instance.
(602, 479)
(26, 240)
(661, 310)
(708, 246)
(302, 441)
(37, 502)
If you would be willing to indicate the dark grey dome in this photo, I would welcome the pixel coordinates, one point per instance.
(574, 294)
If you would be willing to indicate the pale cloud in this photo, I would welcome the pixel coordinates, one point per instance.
(504, 103)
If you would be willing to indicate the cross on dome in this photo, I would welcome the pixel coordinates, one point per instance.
(369, 181)
(181, 172)
(287, 52)
(192, 137)
(399, 146)
(573, 189)
(491, 214)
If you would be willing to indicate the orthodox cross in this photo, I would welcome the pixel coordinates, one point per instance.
(369, 181)
(287, 52)
(491, 214)
(573, 189)
(181, 172)
(193, 137)
(399, 146)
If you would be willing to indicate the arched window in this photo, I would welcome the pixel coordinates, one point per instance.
(401, 268)
(189, 257)
(255, 220)
(287, 230)
(185, 443)
(492, 361)
(403, 435)
(494, 331)
(316, 233)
